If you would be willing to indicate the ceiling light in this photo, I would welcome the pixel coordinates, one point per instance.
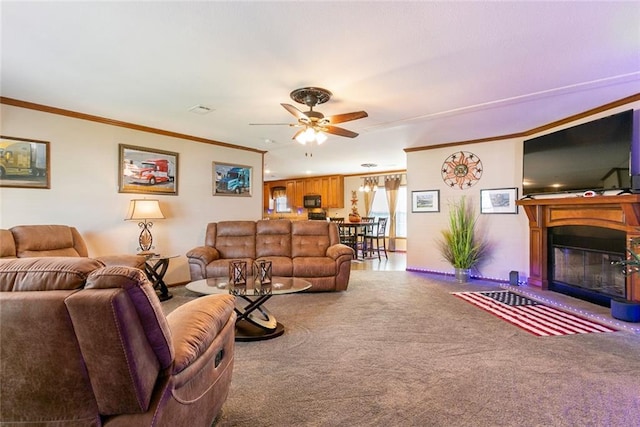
(320, 137)
(311, 135)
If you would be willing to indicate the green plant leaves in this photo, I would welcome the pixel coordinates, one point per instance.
(459, 244)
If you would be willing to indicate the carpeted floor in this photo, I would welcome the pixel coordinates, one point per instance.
(397, 349)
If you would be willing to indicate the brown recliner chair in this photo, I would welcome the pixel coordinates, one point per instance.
(88, 345)
(23, 241)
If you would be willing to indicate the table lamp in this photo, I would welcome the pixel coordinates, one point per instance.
(143, 210)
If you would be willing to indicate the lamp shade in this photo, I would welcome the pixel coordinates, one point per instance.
(141, 209)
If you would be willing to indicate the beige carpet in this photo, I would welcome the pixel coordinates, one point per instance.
(397, 349)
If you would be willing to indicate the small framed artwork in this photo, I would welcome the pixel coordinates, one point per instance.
(499, 201)
(24, 163)
(231, 180)
(425, 201)
(147, 171)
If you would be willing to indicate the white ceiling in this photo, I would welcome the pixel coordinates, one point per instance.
(426, 72)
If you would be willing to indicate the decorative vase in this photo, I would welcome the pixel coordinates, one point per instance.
(462, 274)
(353, 217)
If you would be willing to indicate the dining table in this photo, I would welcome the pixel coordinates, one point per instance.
(353, 234)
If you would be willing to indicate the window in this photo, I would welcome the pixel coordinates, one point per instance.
(380, 208)
(281, 204)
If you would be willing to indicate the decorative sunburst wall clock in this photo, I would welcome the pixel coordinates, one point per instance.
(462, 169)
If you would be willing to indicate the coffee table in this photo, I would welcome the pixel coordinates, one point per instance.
(254, 321)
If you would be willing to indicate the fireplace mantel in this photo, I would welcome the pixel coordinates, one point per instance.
(618, 212)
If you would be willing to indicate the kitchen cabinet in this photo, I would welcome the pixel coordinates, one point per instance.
(330, 188)
(266, 195)
(335, 193)
(299, 193)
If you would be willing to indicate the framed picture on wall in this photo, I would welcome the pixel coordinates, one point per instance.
(425, 201)
(147, 171)
(24, 163)
(231, 180)
(499, 201)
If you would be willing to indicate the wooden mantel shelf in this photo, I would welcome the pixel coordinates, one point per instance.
(621, 212)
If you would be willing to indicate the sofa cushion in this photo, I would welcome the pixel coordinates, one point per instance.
(273, 238)
(314, 267)
(45, 274)
(220, 267)
(280, 265)
(48, 240)
(235, 239)
(310, 238)
(7, 244)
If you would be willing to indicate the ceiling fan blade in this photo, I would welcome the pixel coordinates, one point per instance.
(347, 117)
(297, 113)
(335, 130)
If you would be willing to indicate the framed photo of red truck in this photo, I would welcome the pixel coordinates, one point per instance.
(24, 163)
(147, 171)
(231, 180)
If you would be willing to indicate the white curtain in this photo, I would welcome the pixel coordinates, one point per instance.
(372, 182)
(391, 185)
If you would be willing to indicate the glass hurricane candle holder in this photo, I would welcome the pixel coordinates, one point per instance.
(237, 277)
(262, 277)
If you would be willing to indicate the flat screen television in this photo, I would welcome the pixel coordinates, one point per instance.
(591, 156)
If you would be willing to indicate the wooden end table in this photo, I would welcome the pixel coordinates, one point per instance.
(155, 267)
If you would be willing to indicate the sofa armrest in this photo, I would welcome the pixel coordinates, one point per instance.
(195, 325)
(336, 251)
(199, 258)
(204, 254)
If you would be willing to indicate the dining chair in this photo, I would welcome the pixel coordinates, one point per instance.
(341, 230)
(379, 238)
(348, 236)
(367, 230)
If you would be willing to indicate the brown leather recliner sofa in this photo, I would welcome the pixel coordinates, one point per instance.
(23, 241)
(306, 249)
(88, 345)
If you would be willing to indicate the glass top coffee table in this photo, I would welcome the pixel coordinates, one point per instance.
(254, 321)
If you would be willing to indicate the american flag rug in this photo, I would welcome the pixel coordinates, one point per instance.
(530, 315)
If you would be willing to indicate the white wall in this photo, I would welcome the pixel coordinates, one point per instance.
(508, 234)
(84, 187)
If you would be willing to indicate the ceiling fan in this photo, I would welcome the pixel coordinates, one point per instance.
(313, 124)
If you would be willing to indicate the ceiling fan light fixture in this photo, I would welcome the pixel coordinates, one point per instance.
(320, 137)
(301, 138)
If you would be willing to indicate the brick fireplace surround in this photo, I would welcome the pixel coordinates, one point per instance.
(621, 212)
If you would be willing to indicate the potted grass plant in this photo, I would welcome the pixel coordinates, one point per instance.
(460, 244)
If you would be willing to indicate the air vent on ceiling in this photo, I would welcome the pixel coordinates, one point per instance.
(200, 109)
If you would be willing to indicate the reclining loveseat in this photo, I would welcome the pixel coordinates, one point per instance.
(25, 241)
(310, 250)
(88, 345)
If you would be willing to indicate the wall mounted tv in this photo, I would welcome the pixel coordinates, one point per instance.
(592, 156)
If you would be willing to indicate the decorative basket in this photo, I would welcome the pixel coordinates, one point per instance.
(354, 217)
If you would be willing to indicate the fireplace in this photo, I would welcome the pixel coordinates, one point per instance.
(581, 262)
(572, 241)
